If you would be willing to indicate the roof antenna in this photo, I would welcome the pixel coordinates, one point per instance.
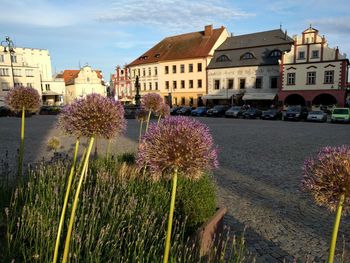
(310, 26)
(281, 25)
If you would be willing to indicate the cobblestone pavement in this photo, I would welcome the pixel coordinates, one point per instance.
(258, 179)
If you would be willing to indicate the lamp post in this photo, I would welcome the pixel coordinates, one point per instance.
(137, 96)
(9, 47)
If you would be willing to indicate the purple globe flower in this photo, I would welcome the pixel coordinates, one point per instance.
(141, 114)
(93, 115)
(164, 111)
(327, 176)
(177, 142)
(26, 97)
(152, 102)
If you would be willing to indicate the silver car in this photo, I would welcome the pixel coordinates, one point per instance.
(318, 116)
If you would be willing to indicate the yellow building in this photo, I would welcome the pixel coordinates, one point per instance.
(176, 66)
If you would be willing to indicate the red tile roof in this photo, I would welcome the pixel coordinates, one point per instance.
(70, 74)
(185, 46)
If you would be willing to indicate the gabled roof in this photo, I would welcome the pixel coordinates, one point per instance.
(261, 45)
(69, 75)
(266, 38)
(185, 46)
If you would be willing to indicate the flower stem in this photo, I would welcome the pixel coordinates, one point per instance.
(336, 228)
(69, 184)
(160, 116)
(75, 202)
(21, 147)
(141, 123)
(149, 117)
(108, 149)
(170, 221)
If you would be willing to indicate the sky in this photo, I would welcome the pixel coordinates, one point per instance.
(107, 33)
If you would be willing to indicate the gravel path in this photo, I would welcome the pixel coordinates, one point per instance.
(258, 179)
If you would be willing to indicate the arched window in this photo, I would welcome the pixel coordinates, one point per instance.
(275, 53)
(247, 55)
(223, 58)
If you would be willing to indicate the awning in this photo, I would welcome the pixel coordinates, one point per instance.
(221, 94)
(51, 93)
(259, 96)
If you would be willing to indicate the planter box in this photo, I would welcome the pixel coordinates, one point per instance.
(206, 235)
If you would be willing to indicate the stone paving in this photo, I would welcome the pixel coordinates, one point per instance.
(258, 179)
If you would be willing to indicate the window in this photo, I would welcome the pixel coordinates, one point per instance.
(241, 83)
(273, 82)
(230, 84)
(275, 53)
(291, 79)
(216, 84)
(134, 72)
(4, 72)
(223, 58)
(199, 83)
(88, 79)
(144, 86)
(4, 86)
(17, 72)
(166, 69)
(156, 85)
(1, 58)
(311, 78)
(191, 84)
(30, 85)
(29, 73)
(174, 69)
(174, 84)
(183, 101)
(247, 55)
(301, 55)
(166, 84)
(258, 83)
(149, 72)
(199, 67)
(18, 84)
(191, 101)
(13, 58)
(143, 72)
(190, 68)
(314, 54)
(150, 86)
(155, 71)
(329, 77)
(138, 72)
(182, 68)
(182, 84)
(175, 101)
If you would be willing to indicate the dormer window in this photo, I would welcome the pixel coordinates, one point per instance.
(157, 55)
(247, 55)
(275, 53)
(223, 58)
(143, 57)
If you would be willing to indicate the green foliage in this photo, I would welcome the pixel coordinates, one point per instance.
(196, 200)
(128, 158)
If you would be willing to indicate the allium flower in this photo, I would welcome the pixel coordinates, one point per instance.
(93, 115)
(152, 102)
(164, 111)
(53, 143)
(177, 142)
(26, 97)
(328, 176)
(141, 114)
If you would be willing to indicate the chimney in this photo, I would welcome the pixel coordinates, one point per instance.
(337, 53)
(285, 35)
(208, 30)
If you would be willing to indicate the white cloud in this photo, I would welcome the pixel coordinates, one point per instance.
(171, 14)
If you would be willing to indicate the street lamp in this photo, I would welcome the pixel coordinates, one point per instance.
(9, 47)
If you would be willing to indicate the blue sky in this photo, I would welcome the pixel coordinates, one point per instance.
(106, 33)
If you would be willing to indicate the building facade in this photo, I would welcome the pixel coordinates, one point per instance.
(176, 67)
(312, 73)
(121, 88)
(80, 83)
(245, 69)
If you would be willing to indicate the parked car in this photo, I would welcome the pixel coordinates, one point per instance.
(317, 115)
(341, 115)
(5, 112)
(185, 111)
(217, 111)
(296, 113)
(50, 110)
(234, 112)
(173, 110)
(252, 113)
(200, 111)
(271, 114)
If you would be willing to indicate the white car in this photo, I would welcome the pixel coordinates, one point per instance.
(318, 115)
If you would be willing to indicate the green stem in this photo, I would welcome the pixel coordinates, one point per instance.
(21, 147)
(140, 135)
(149, 117)
(69, 184)
(170, 221)
(336, 228)
(108, 148)
(75, 202)
(160, 115)
(81, 161)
